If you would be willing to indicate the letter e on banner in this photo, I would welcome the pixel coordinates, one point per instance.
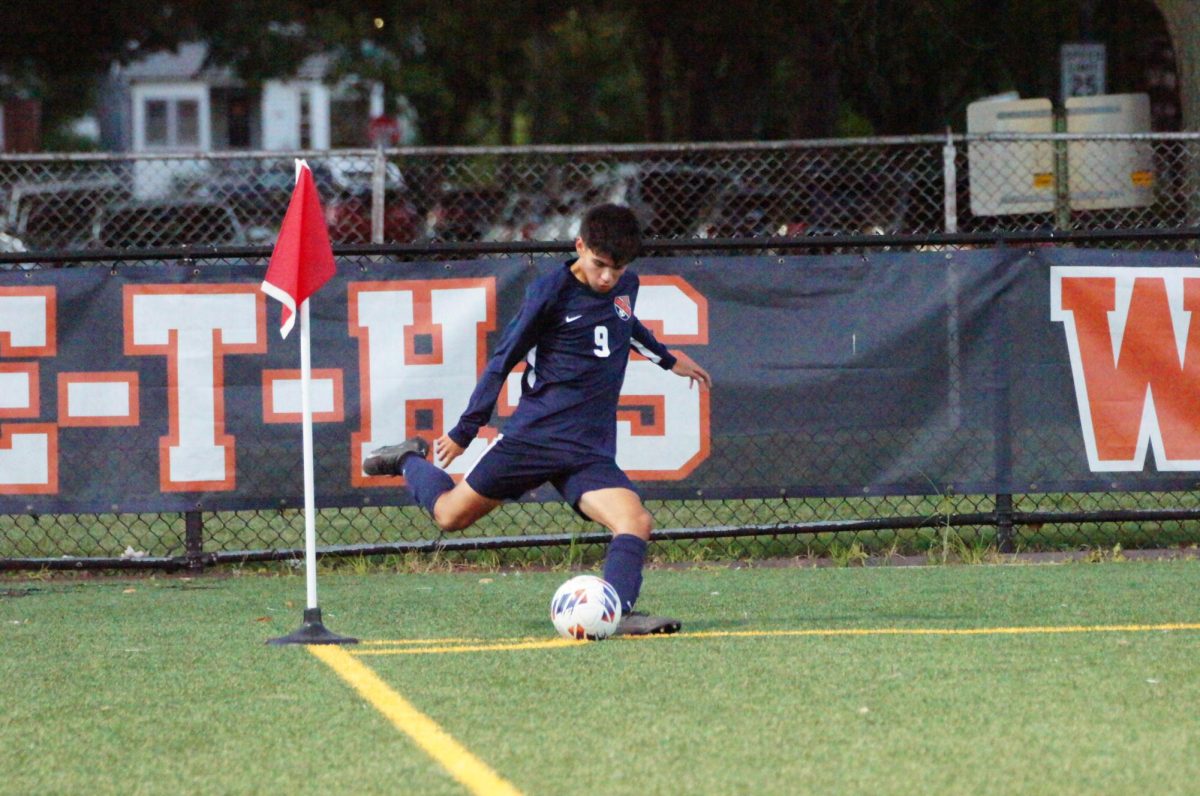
(28, 451)
(1134, 345)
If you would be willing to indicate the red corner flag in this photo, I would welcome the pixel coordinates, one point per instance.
(302, 260)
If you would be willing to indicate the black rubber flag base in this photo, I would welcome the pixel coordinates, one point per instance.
(312, 632)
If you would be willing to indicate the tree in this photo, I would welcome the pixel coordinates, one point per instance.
(742, 69)
(1183, 23)
(618, 70)
(464, 67)
(59, 51)
(56, 51)
(583, 82)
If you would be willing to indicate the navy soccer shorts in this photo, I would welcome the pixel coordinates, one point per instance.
(510, 468)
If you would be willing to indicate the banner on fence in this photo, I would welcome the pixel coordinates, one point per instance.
(158, 388)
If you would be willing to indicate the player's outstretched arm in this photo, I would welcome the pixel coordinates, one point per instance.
(646, 344)
(686, 366)
(446, 450)
(520, 336)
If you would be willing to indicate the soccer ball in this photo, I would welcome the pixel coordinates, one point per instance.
(585, 607)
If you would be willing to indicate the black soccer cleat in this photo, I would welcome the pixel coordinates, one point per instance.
(640, 623)
(389, 459)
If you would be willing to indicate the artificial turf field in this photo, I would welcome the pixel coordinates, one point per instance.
(1074, 678)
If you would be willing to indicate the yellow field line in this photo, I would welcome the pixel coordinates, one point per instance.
(934, 631)
(498, 645)
(408, 642)
(443, 646)
(381, 642)
(458, 761)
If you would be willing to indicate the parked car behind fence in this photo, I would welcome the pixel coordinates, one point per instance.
(59, 214)
(538, 217)
(188, 221)
(753, 213)
(666, 197)
(464, 214)
(14, 245)
(349, 217)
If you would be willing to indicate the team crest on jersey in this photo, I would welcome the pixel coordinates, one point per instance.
(623, 307)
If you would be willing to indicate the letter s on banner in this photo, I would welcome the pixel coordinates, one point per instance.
(663, 420)
(28, 451)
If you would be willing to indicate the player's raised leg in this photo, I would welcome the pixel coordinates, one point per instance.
(460, 507)
(453, 507)
(621, 511)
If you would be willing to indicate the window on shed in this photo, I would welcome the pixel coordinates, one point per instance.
(157, 126)
(188, 118)
(170, 122)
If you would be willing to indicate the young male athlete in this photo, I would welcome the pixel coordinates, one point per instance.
(574, 329)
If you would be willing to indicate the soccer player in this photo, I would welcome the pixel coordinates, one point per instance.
(575, 329)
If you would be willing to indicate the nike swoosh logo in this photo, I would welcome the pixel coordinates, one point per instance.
(571, 318)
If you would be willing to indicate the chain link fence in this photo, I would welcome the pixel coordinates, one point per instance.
(919, 187)
(910, 186)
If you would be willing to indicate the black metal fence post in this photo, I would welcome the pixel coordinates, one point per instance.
(193, 540)
(1004, 524)
(1002, 375)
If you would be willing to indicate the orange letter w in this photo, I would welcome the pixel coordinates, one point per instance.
(1135, 359)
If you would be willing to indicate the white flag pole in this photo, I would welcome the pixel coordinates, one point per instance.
(310, 500)
(313, 631)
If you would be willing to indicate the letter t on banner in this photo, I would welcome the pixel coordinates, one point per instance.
(301, 263)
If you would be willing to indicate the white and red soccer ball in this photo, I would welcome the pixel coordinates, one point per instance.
(585, 607)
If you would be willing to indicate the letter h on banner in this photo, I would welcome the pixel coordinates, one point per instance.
(404, 328)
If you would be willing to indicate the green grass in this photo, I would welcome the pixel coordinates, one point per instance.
(160, 685)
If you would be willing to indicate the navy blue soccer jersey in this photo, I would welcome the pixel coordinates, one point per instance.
(576, 343)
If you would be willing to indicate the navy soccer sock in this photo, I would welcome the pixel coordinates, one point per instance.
(426, 482)
(623, 567)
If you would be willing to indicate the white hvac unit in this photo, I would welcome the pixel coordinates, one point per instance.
(1015, 176)
(1108, 174)
(1007, 176)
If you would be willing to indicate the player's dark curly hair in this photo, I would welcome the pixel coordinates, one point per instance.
(613, 230)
